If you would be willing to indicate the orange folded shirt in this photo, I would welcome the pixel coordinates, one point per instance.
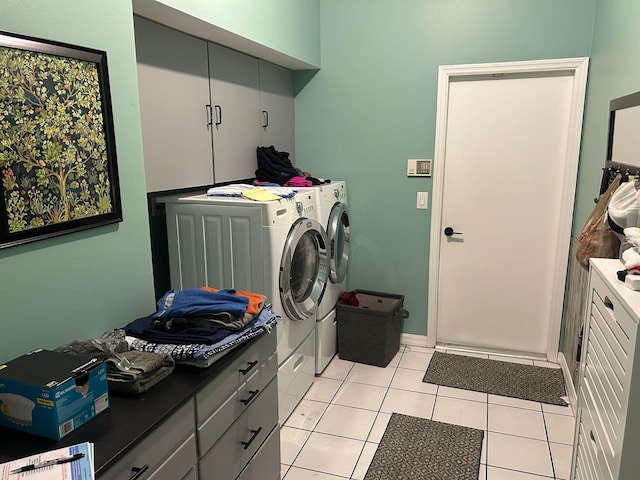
(256, 300)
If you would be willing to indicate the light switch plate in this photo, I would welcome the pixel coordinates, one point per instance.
(419, 167)
(422, 201)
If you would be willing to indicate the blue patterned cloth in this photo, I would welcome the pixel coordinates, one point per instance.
(194, 353)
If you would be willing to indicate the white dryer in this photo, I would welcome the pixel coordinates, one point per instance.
(277, 248)
(333, 214)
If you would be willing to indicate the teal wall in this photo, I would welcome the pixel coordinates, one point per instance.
(614, 72)
(291, 27)
(373, 105)
(370, 108)
(79, 285)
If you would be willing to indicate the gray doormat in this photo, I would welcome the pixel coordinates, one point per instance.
(414, 448)
(528, 382)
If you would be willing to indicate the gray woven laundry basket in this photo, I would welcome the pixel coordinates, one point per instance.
(370, 332)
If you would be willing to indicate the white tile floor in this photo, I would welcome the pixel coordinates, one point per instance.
(335, 430)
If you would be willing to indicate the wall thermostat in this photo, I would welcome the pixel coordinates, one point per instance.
(419, 167)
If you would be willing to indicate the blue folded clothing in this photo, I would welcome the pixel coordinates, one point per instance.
(195, 301)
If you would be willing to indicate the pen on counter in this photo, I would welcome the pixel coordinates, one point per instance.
(48, 463)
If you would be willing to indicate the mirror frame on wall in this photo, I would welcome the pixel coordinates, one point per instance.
(624, 126)
(617, 107)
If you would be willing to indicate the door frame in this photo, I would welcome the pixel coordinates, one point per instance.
(577, 67)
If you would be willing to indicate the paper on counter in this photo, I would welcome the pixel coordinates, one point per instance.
(81, 469)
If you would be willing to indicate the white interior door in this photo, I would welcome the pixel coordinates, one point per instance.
(508, 161)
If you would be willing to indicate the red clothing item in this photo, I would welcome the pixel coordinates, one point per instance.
(349, 298)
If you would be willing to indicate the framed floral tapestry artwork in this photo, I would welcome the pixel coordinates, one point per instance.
(57, 146)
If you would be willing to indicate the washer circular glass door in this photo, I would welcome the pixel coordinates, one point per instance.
(303, 269)
(338, 237)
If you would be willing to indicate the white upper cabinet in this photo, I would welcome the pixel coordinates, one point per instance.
(206, 108)
(173, 82)
(277, 108)
(235, 98)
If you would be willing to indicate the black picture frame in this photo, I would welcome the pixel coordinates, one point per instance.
(58, 166)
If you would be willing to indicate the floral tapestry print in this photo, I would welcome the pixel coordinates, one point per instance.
(53, 156)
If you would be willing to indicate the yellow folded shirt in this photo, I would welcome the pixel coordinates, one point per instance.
(259, 195)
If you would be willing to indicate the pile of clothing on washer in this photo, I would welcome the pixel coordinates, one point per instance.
(276, 167)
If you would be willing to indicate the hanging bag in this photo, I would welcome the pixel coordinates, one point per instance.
(597, 240)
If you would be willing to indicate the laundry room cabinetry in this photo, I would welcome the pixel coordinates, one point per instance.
(227, 430)
(237, 418)
(173, 87)
(205, 108)
(607, 419)
(252, 103)
(168, 452)
(277, 107)
(235, 97)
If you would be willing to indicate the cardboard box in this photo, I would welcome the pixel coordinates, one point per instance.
(50, 393)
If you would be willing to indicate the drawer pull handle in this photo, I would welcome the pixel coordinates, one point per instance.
(138, 471)
(244, 371)
(252, 395)
(592, 436)
(608, 303)
(246, 444)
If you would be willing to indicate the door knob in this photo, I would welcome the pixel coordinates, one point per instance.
(448, 231)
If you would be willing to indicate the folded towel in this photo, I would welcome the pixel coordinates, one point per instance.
(260, 195)
(282, 192)
(233, 190)
(137, 372)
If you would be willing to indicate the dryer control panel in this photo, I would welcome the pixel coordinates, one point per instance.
(306, 203)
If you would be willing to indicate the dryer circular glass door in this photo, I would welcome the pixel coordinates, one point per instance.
(338, 237)
(303, 269)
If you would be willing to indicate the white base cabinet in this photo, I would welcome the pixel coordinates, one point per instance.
(607, 434)
(168, 452)
(228, 430)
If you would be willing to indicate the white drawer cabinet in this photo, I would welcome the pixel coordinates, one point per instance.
(607, 433)
(237, 412)
(237, 445)
(265, 464)
(169, 451)
(227, 430)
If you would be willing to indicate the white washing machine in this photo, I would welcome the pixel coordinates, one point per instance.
(277, 248)
(332, 213)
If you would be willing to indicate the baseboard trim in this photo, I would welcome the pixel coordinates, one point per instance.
(414, 340)
(568, 383)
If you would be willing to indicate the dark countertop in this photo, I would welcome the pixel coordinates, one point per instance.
(126, 421)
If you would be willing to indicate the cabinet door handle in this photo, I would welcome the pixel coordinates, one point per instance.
(608, 303)
(218, 114)
(246, 444)
(252, 395)
(209, 115)
(265, 119)
(138, 471)
(244, 371)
